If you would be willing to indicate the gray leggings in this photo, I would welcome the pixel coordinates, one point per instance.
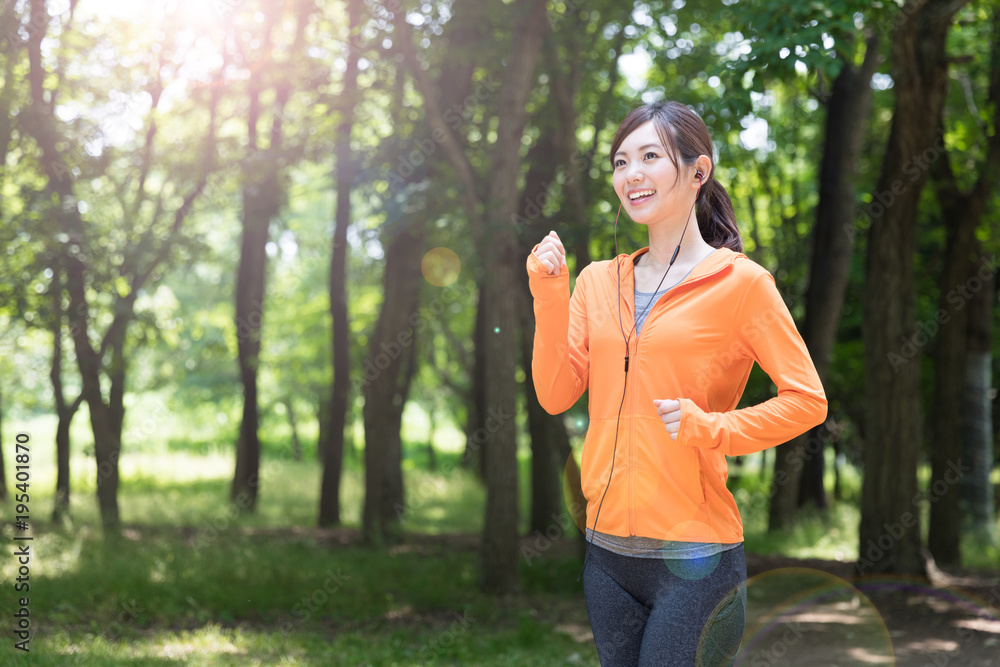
(655, 611)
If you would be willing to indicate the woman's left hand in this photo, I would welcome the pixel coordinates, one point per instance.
(670, 412)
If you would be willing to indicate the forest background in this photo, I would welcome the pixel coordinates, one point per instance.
(265, 325)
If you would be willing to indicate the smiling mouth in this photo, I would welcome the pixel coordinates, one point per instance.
(641, 199)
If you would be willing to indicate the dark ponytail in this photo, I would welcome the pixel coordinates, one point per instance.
(683, 131)
(716, 218)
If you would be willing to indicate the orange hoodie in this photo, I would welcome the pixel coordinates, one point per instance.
(698, 344)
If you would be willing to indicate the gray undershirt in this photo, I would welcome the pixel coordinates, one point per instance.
(642, 299)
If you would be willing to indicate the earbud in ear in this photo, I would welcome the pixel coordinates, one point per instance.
(699, 176)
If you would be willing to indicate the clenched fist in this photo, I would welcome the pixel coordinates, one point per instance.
(551, 253)
(670, 414)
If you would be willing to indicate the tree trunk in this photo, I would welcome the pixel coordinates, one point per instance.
(890, 538)
(296, 443)
(257, 209)
(390, 350)
(64, 411)
(60, 508)
(323, 417)
(799, 464)
(262, 201)
(116, 393)
(475, 443)
(501, 530)
(837, 491)
(61, 504)
(948, 408)
(106, 452)
(115, 408)
(957, 370)
(977, 427)
(332, 443)
(431, 451)
(503, 263)
(576, 170)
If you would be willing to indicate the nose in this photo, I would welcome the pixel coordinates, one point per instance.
(633, 173)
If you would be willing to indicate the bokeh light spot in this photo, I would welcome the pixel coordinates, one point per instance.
(441, 266)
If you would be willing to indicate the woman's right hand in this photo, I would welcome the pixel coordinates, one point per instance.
(551, 253)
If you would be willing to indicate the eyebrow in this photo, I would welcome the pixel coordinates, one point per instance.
(640, 148)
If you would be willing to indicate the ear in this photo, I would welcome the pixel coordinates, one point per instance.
(702, 165)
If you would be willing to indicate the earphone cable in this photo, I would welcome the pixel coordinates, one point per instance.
(628, 340)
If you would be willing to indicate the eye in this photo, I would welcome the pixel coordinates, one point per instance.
(619, 161)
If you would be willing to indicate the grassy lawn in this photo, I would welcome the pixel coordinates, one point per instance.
(197, 580)
(283, 597)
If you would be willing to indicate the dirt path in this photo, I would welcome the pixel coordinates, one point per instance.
(812, 612)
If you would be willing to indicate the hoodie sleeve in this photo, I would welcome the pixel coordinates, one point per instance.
(560, 357)
(766, 333)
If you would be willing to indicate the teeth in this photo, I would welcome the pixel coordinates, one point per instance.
(640, 193)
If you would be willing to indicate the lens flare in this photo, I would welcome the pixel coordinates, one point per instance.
(573, 493)
(441, 266)
(792, 610)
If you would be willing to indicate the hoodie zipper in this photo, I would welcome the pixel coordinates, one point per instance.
(632, 449)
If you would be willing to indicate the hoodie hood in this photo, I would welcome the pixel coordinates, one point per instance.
(718, 260)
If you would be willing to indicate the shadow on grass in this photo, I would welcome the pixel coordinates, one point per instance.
(158, 592)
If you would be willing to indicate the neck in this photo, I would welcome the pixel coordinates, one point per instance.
(663, 239)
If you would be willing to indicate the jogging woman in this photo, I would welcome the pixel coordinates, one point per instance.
(664, 339)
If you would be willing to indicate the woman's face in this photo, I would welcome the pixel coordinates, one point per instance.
(643, 167)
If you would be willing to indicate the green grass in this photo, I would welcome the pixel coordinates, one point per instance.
(158, 597)
(198, 580)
